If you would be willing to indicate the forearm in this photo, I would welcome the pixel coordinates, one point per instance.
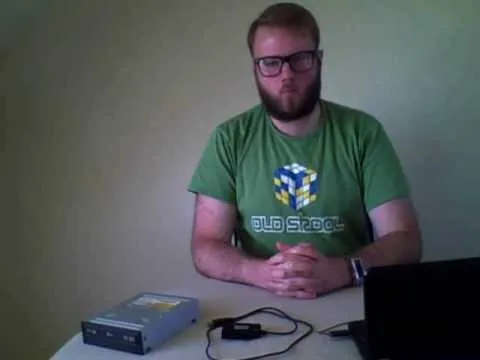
(222, 261)
(398, 247)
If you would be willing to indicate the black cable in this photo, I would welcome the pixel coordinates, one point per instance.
(217, 323)
(327, 331)
(295, 323)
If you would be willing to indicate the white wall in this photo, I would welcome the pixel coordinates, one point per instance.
(7, 240)
(110, 103)
(17, 18)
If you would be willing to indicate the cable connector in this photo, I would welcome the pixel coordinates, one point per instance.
(339, 333)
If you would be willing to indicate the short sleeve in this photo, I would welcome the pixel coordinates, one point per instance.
(383, 176)
(215, 173)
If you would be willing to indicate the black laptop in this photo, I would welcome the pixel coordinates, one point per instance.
(429, 310)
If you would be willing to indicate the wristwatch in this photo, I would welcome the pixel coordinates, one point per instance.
(359, 271)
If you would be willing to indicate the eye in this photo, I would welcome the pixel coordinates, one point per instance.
(270, 62)
(303, 57)
(302, 61)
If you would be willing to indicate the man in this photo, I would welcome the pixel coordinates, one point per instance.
(313, 190)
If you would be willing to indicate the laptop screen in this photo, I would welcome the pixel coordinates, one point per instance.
(426, 309)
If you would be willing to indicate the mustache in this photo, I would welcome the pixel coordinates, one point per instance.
(288, 87)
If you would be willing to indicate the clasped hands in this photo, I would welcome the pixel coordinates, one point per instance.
(300, 271)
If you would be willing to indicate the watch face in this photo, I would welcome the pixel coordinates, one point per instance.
(358, 270)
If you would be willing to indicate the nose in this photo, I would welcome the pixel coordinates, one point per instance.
(286, 71)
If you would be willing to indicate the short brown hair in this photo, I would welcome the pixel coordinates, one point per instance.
(285, 15)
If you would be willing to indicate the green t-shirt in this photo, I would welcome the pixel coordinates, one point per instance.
(317, 188)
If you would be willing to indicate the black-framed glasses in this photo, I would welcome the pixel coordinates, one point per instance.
(299, 62)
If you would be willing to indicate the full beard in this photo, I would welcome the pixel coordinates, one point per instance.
(275, 108)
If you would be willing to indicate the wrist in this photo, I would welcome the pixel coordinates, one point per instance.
(250, 269)
(346, 272)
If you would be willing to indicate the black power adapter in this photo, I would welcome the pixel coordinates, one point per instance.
(242, 331)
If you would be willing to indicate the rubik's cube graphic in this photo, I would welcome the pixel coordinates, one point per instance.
(295, 185)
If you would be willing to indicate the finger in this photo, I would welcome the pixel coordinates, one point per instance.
(305, 250)
(282, 246)
(276, 259)
(298, 288)
(283, 257)
(299, 268)
(290, 269)
(278, 274)
(293, 284)
(299, 294)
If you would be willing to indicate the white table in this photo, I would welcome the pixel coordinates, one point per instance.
(220, 299)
